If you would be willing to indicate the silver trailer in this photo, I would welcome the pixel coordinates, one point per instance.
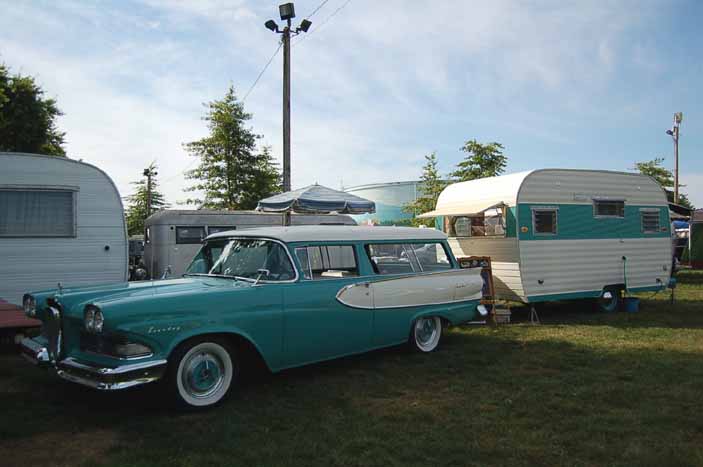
(173, 237)
(61, 220)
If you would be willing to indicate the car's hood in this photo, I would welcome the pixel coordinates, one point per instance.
(73, 298)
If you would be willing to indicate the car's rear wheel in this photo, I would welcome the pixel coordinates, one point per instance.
(426, 334)
(201, 372)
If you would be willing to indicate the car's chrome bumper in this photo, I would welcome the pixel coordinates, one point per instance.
(95, 376)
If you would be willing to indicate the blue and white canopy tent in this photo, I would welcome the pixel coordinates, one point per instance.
(316, 199)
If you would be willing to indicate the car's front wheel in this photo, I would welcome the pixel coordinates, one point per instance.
(201, 372)
(426, 333)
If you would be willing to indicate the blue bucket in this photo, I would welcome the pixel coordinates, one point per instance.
(631, 304)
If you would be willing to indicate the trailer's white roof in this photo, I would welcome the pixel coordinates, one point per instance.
(476, 196)
(319, 233)
(546, 185)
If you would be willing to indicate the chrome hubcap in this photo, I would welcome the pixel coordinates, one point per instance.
(427, 333)
(203, 374)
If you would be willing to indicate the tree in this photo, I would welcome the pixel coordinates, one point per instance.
(664, 177)
(483, 160)
(431, 186)
(27, 119)
(231, 173)
(138, 201)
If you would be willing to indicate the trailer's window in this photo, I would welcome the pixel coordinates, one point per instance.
(189, 235)
(650, 221)
(544, 221)
(327, 261)
(405, 258)
(211, 229)
(488, 224)
(608, 208)
(37, 213)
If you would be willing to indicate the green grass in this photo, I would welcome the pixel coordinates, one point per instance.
(582, 389)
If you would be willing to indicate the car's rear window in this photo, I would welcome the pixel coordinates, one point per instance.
(407, 258)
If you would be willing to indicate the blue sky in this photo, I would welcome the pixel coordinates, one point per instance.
(589, 84)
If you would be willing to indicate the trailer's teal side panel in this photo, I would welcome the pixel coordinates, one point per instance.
(577, 222)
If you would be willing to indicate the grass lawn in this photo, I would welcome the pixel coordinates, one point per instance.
(581, 389)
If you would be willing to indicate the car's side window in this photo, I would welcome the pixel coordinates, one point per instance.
(327, 261)
(431, 256)
(392, 258)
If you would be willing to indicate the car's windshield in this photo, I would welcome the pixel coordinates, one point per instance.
(243, 258)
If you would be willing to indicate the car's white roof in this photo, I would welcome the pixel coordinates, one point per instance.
(323, 233)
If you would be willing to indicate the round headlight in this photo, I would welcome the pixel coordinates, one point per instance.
(30, 306)
(89, 319)
(98, 321)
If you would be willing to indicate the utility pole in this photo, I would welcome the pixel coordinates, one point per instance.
(149, 172)
(287, 12)
(674, 133)
(286, 107)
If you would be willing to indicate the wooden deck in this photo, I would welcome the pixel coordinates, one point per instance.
(13, 317)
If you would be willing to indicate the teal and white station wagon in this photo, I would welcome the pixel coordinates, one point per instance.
(287, 295)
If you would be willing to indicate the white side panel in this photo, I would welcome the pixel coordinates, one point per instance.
(555, 186)
(456, 285)
(39, 263)
(504, 259)
(568, 266)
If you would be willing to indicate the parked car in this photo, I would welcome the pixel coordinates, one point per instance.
(292, 295)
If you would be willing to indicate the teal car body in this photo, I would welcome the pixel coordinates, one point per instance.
(328, 292)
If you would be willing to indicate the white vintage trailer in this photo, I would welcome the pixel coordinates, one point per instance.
(61, 220)
(173, 237)
(556, 234)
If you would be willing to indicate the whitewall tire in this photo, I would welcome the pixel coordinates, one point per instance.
(202, 372)
(426, 334)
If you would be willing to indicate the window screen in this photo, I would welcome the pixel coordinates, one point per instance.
(608, 208)
(545, 221)
(487, 224)
(190, 235)
(327, 261)
(37, 213)
(650, 221)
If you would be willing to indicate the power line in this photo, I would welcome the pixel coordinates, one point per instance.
(324, 21)
(261, 73)
(316, 9)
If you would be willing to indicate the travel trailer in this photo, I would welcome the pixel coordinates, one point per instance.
(61, 221)
(173, 237)
(557, 234)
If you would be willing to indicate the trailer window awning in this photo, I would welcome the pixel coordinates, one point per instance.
(463, 209)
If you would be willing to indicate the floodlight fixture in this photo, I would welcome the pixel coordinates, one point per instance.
(669, 132)
(287, 11)
(305, 25)
(271, 24)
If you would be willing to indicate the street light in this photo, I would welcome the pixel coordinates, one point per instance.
(287, 13)
(674, 133)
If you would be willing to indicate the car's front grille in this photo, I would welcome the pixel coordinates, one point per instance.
(52, 329)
